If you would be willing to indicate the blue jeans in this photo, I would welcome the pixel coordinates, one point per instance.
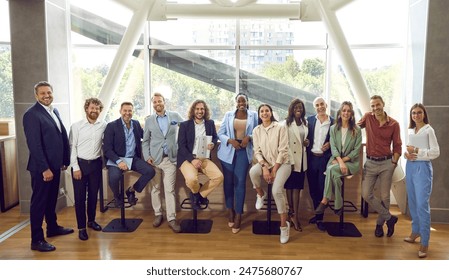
(138, 165)
(235, 180)
(419, 175)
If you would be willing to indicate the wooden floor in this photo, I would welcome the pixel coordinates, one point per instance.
(148, 243)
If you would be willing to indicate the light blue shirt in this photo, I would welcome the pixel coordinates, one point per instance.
(130, 140)
(163, 125)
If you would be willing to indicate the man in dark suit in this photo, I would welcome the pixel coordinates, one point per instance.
(190, 159)
(122, 145)
(318, 154)
(49, 154)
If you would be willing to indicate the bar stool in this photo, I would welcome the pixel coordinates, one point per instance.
(122, 224)
(195, 225)
(267, 227)
(342, 228)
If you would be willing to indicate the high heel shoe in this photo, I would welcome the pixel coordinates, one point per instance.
(237, 222)
(412, 238)
(231, 216)
(295, 223)
(422, 253)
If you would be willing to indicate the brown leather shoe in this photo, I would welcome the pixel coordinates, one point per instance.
(422, 253)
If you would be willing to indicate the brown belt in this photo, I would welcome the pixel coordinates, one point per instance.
(378, 158)
(318, 155)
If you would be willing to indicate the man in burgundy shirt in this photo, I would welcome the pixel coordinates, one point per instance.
(381, 132)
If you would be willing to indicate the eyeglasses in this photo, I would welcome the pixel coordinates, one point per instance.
(417, 113)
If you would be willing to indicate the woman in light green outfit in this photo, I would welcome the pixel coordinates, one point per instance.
(345, 140)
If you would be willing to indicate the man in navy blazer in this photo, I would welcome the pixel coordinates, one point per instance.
(189, 161)
(318, 154)
(48, 145)
(122, 146)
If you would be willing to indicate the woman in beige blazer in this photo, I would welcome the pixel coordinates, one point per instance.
(297, 138)
(345, 140)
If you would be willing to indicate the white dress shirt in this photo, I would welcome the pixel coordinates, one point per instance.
(85, 141)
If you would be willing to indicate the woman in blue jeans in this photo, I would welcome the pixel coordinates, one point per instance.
(421, 148)
(235, 154)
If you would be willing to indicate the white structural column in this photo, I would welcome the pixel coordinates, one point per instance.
(125, 50)
(350, 67)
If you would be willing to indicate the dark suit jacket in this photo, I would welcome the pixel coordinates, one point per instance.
(49, 147)
(114, 143)
(186, 139)
(311, 121)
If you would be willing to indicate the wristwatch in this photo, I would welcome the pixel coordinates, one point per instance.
(263, 165)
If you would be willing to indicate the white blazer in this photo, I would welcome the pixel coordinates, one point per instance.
(297, 150)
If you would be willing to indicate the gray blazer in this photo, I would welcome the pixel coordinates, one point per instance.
(153, 139)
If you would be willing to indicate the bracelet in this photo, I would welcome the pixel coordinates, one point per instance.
(394, 162)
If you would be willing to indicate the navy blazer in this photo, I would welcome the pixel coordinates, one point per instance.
(49, 147)
(186, 139)
(311, 121)
(114, 143)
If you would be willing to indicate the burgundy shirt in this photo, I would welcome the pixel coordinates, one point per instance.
(379, 138)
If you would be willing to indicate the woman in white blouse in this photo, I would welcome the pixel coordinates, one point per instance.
(270, 140)
(422, 147)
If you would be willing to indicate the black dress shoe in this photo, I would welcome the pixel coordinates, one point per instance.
(203, 200)
(82, 234)
(390, 224)
(320, 209)
(312, 220)
(379, 232)
(42, 246)
(339, 212)
(320, 225)
(194, 201)
(59, 231)
(131, 197)
(93, 225)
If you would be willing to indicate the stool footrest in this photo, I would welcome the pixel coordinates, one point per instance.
(120, 225)
(196, 226)
(266, 227)
(342, 229)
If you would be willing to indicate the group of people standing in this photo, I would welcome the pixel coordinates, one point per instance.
(254, 143)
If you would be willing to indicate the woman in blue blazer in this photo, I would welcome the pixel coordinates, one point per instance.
(235, 154)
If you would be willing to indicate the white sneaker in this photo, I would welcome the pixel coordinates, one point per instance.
(285, 233)
(260, 200)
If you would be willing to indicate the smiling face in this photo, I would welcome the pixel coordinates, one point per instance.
(320, 106)
(127, 113)
(158, 104)
(298, 111)
(346, 113)
(377, 107)
(242, 103)
(93, 111)
(44, 95)
(199, 111)
(265, 114)
(418, 115)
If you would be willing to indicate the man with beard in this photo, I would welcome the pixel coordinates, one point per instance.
(122, 145)
(189, 162)
(86, 138)
(160, 149)
(318, 154)
(49, 154)
(382, 133)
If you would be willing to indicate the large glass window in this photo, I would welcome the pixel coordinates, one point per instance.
(6, 89)
(273, 60)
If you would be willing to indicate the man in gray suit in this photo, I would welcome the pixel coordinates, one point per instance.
(160, 150)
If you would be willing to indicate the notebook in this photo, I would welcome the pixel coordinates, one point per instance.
(419, 140)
